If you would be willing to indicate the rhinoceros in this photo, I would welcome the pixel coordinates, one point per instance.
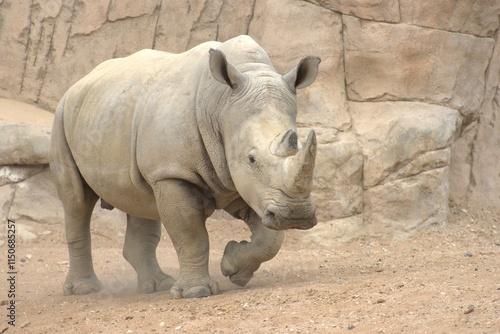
(169, 138)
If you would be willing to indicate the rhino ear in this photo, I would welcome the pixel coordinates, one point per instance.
(304, 74)
(224, 72)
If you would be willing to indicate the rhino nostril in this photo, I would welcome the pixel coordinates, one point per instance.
(270, 215)
(271, 211)
(269, 218)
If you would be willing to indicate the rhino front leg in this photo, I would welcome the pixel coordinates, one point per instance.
(242, 259)
(141, 240)
(183, 210)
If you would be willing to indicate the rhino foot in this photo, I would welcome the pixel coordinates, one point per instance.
(238, 277)
(81, 286)
(159, 282)
(195, 289)
(242, 272)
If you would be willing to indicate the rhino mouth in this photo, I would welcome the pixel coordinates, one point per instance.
(275, 219)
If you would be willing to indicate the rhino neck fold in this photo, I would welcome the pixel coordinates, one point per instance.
(207, 119)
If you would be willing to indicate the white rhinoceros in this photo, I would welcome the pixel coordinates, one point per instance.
(172, 137)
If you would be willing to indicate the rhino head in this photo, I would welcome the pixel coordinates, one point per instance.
(270, 170)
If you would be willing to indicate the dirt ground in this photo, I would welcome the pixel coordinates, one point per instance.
(442, 280)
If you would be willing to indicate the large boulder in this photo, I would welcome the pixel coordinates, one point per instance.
(36, 200)
(24, 133)
(406, 150)
(399, 208)
(387, 62)
(485, 162)
(402, 139)
(28, 196)
(461, 159)
(338, 175)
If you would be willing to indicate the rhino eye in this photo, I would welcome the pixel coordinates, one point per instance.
(251, 159)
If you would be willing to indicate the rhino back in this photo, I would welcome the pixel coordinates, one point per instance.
(138, 107)
(134, 121)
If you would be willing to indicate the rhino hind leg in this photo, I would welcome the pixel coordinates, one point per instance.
(242, 259)
(78, 202)
(81, 278)
(141, 240)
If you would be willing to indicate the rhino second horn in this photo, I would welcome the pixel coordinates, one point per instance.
(287, 145)
(299, 168)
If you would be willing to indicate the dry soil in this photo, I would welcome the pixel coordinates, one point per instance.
(441, 280)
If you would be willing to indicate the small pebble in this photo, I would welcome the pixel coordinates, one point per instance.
(469, 309)
(350, 326)
(468, 254)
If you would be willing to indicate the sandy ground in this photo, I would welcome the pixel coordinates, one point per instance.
(442, 280)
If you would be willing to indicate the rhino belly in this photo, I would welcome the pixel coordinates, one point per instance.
(115, 188)
(104, 159)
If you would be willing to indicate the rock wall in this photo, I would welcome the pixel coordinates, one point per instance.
(404, 106)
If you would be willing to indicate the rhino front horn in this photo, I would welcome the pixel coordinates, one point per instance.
(298, 171)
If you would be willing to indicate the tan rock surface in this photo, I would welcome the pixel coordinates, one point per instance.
(338, 176)
(202, 20)
(377, 10)
(485, 181)
(387, 62)
(401, 139)
(402, 207)
(25, 133)
(324, 103)
(473, 17)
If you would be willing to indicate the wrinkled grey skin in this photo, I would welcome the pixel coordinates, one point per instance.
(172, 137)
